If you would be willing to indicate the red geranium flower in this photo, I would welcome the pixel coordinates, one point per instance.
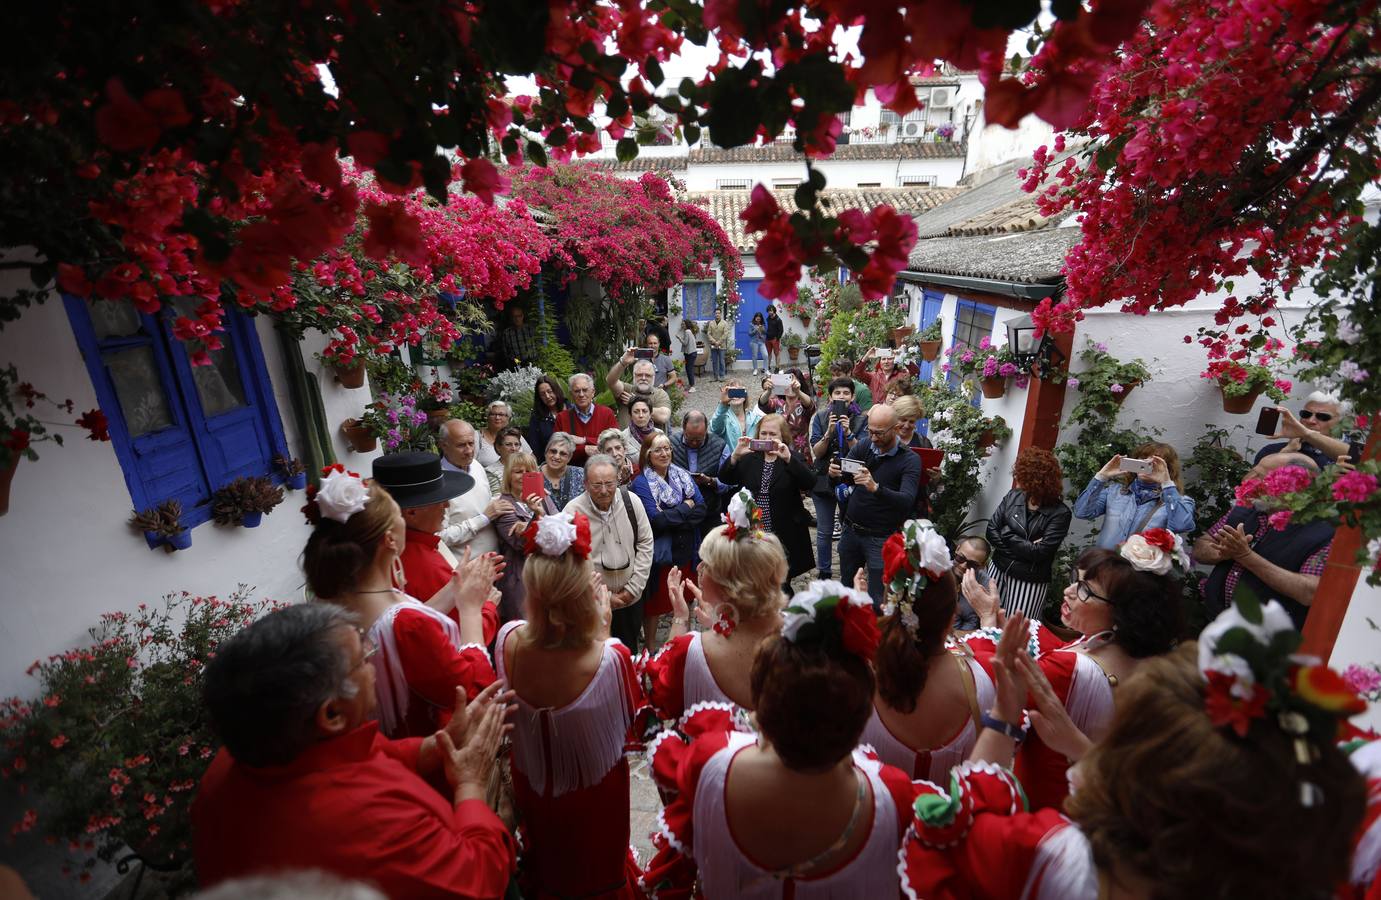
(1224, 708)
(94, 421)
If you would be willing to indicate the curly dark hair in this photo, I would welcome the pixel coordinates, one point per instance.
(901, 659)
(1198, 812)
(1146, 611)
(811, 704)
(1037, 472)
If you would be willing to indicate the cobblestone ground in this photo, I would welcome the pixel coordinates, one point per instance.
(645, 804)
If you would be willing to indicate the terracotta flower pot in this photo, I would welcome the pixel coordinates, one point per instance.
(930, 350)
(986, 440)
(902, 333)
(1241, 404)
(1126, 389)
(6, 478)
(350, 376)
(437, 417)
(994, 387)
(360, 438)
(794, 353)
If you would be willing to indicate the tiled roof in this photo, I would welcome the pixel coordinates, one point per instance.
(1030, 257)
(1019, 215)
(638, 164)
(725, 206)
(782, 151)
(994, 205)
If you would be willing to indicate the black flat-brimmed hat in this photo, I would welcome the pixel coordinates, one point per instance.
(416, 479)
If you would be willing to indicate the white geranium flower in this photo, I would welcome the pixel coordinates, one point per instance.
(738, 509)
(1348, 331)
(341, 495)
(555, 533)
(1274, 619)
(1144, 556)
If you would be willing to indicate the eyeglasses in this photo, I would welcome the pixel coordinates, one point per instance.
(1310, 414)
(881, 432)
(368, 646)
(1082, 591)
(964, 562)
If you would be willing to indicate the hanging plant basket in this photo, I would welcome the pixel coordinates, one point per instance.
(986, 440)
(180, 541)
(349, 376)
(1127, 388)
(994, 387)
(1240, 404)
(6, 477)
(902, 333)
(359, 437)
(805, 320)
(930, 350)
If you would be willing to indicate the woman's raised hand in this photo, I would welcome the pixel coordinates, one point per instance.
(1050, 718)
(1110, 468)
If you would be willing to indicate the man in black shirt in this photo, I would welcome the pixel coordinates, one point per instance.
(831, 435)
(883, 497)
(775, 330)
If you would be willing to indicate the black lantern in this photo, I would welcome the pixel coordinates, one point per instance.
(1038, 356)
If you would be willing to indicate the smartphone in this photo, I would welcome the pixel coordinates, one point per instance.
(780, 383)
(1134, 466)
(851, 466)
(1268, 421)
(839, 407)
(882, 353)
(739, 393)
(644, 353)
(533, 484)
(1354, 452)
(758, 446)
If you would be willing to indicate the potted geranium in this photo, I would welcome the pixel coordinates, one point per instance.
(1106, 380)
(108, 755)
(931, 338)
(793, 343)
(362, 433)
(162, 526)
(245, 501)
(1242, 382)
(436, 401)
(346, 365)
(989, 366)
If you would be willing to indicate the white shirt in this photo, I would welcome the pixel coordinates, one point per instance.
(466, 523)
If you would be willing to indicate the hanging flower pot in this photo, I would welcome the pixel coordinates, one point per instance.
(902, 333)
(986, 440)
(252, 519)
(794, 353)
(1239, 404)
(994, 387)
(350, 376)
(1119, 396)
(805, 320)
(6, 477)
(297, 481)
(930, 350)
(359, 437)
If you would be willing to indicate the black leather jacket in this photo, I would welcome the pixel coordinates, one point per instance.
(1025, 541)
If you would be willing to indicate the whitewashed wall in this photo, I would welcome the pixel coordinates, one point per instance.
(839, 173)
(1359, 641)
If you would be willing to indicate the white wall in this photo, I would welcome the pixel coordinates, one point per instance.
(993, 145)
(1359, 641)
(886, 173)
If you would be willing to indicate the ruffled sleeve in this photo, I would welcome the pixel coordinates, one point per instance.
(982, 644)
(433, 667)
(664, 677)
(975, 839)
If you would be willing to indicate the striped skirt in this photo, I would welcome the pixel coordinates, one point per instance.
(1026, 597)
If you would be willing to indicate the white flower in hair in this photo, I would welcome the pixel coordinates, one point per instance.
(738, 510)
(341, 495)
(1144, 556)
(800, 609)
(555, 533)
(1274, 620)
(930, 546)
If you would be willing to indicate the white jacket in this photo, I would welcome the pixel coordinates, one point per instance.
(466, 523)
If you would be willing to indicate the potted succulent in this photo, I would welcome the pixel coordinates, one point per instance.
(293, 472)
(931, 338)
(793, 343)
(245, 500)
(162, 526)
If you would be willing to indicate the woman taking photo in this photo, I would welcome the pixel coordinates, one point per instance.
(775, 479)
(796, 810)
(562, 480)
(1026, 532)
(739, 590)
(1175, 800)
(1132, 503)
(757, 339)
(675, 508)
(640, 426)
(735, 417)
(577, 697)
(797, 405)
(510, 527)
(1125, 613)
(498, 416)
(930, 699)
(548, 399)
(877, 368)
(351, 559)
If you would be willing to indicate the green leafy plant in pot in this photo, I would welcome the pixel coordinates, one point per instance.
(931, 338)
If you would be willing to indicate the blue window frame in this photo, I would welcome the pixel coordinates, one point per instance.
(179, 431)
(972, 322)
(698, 301)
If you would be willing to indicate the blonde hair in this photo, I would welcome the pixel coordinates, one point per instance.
(908, 406)
(780, 421)
(514, 460)
(561, 613)
(749, 571)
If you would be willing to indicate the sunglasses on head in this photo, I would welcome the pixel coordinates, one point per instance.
(1310, 414)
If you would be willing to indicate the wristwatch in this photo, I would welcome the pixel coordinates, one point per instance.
(1001, 727)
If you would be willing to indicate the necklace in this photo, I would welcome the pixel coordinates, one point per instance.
(380, 591)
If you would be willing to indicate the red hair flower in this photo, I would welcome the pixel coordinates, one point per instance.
(1159, 537)
(1225, 709)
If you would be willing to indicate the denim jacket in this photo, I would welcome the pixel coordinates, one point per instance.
(1122, 513)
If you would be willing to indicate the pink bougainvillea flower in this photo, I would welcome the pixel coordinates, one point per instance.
(483, 180)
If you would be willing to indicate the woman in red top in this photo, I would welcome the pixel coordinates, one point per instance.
(422, 655)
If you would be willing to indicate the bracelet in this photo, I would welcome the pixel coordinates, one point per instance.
(675, 622)
(995, 724)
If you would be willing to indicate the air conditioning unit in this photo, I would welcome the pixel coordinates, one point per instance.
(942, 98)
(912, 129)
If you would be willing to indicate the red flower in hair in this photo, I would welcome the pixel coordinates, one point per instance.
(894, 558)
(554, 535)
(1159, 537)
(859, 627)
(1224, 708)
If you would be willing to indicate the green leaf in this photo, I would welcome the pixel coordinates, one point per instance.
(626, 149)
(509, 145)
(537, 154)
(654, 71)
(805, 195)
(1248, 604)
(692, 133)
(687, 88)
(558, 137)
(617, 105)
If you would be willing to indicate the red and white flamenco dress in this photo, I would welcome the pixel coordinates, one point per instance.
(570, 782)
(976, 841)
(935, 764)
(678, 677)
(697, 854)
(420, 663)
(1364, 879)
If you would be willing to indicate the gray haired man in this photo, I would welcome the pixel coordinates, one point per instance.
(620, 543)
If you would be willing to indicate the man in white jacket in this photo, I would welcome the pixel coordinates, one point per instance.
(620, 544)
(468, 516)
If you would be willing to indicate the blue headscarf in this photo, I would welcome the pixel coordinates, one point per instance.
(1144, 491)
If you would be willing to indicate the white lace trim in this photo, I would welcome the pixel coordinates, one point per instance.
(391, 684)
(587, 735)
(474, 646)
(701, 706)
(1063, 867)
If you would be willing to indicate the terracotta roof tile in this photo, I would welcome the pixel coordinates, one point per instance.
(782, 151)
(1018, 215)
(1030, 257)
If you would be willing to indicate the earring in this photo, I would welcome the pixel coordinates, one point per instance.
(727, 619)
(400, 579)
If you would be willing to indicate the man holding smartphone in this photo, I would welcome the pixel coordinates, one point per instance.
(1311, 433)
(833, 432)
(701, 453)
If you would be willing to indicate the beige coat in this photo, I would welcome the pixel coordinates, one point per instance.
(719, 335)
(613, 542)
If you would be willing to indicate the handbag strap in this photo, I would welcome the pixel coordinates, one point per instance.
(970, 688)
(632, 516)
(1141, 526)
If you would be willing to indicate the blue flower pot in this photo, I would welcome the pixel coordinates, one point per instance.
(252, 519)
(180, 541)
(297, 482)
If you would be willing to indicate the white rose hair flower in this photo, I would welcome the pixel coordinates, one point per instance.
(554, 534)
(911, 559)
(1155, 550)
(831, 615)
(340, 495)
(744, 516)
